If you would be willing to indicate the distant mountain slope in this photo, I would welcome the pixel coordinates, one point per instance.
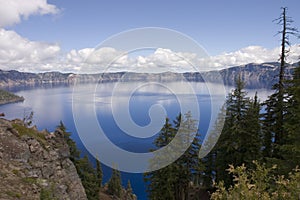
(255, 76)
(263, 75)
(15, 78)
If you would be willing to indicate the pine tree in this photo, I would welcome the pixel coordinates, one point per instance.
(129, 188)
(88, 177)
(160, 185)
(208, 145)
(99, 172)
(240, 139)
(227, 147)
(172, 181)
(129, 191)
(74, 152)
(276, 105)
(114, 183)
(267, 129)
(85, 170)
(290, 150)
(251, 135)
(188, 168)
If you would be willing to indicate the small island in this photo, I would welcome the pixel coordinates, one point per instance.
(8, 97)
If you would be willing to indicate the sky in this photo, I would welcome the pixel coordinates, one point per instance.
(59, 35)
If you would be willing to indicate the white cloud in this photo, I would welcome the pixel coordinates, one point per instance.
(22, 54)
(17, 52)
(75, 56)
(15, 49)
(251, 54)
(165, 60)
(13, 11)
(90, 60)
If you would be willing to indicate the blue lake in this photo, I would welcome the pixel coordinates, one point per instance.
(54, 104)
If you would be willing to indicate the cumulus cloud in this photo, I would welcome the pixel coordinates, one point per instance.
(22, 54)
(97, 60)
(251, 54)
(111, 60)
(162, 60)
(16, 50)
(19, 53)
(166, 60)
(101, 56)
(13, 11)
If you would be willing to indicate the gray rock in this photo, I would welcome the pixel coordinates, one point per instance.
(29, 165)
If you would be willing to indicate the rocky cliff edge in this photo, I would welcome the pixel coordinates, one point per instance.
(35, 164)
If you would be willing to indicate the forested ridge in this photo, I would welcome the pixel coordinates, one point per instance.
(7, 97)
(258, 153)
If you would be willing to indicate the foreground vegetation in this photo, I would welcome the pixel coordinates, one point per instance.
(259, 183)
(257, 155)
(247, 162)
(91, 177)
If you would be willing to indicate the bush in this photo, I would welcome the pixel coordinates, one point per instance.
(259, 184)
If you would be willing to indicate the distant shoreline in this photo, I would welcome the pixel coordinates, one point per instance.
(254, 75)
(7, 98)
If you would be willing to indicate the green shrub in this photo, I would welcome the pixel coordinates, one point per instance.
(259, 184)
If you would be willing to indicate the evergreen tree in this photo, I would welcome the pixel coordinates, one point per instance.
(227, 146)
(160, 185)
(85, 170)
(208, 146)
(99, 173)
(251, 135)
(274, 132)
(172, 181)
(240, 139)
(129, 188)
(290, 150)
(114, 183)
(74, 152)
(129, 191)
(267, 129)
(188, 168)
(88, 178)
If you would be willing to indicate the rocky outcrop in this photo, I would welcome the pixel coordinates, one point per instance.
(7, 97)
(254, 75)
(36, 165)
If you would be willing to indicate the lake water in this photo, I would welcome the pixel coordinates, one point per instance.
(53, 104)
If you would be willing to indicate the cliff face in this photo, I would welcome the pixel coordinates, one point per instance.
(36, 165)
(255, 76)
(16, 78)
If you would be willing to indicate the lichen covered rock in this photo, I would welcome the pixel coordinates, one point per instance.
(36, 165)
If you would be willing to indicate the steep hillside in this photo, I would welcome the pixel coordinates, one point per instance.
(35, 165)
(256, 75)
(16, 78)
